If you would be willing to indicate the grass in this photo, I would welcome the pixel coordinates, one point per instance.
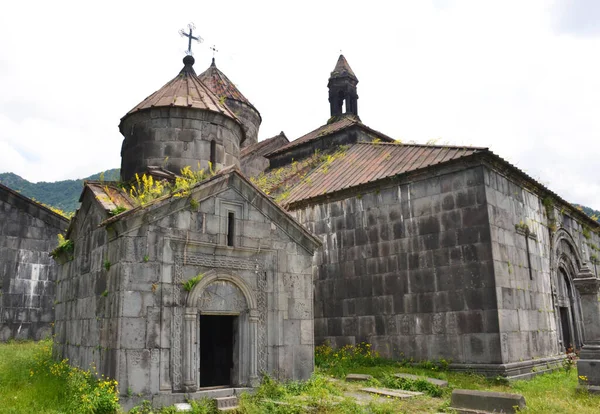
(31, 382)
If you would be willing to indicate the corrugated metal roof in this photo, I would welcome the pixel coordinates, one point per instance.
(367, 162)
(109, 195)
(346, 121)
(220, 85)
(265, 146)
(185, 90)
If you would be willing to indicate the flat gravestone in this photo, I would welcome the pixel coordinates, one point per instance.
(471, 401)
(391, 393)
(183, 407)
(440, 383)
(358, 377)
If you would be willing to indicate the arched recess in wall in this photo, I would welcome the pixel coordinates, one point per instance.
(218, 299)
(567, 265)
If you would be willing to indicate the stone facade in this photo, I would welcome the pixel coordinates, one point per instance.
(28, 232)
(122, 303)
(458, 262)
(249, 117)
(178, 137)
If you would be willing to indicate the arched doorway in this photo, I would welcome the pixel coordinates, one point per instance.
(568, 308)
(220, 333)
(569, 319)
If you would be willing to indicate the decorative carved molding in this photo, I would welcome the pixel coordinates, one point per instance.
(261, 295)
(176, 351)
(203, 297)
(587, 286)
(219, 262)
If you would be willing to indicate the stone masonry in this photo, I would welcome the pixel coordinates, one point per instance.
(122, 304)
(28, 232)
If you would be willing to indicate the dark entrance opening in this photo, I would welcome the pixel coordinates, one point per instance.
(216, 349)
(566, 328)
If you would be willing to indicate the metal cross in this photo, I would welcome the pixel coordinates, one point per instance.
(213, 49)
(190, 37)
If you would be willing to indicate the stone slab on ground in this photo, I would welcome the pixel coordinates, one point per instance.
(471, 401)
(358, 377)
(362, 398)
(183, 407)
(226, 403)
(434, 381)
(391, 393)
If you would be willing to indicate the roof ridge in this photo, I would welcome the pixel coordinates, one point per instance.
(400, 143)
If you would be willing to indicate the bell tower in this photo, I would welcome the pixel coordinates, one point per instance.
(343, 98)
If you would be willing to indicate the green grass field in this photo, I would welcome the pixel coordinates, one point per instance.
(30, 382)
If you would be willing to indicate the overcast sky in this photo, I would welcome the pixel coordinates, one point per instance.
(519, 77)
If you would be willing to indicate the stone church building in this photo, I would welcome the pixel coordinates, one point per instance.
(186, 292)
(343, 235)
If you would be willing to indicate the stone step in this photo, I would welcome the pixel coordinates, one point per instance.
(226, 403)
(434, 381)
(391, 393)
(358, 377)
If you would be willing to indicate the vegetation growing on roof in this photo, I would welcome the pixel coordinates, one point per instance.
(65, 246)
(280, 181)
(146, 189)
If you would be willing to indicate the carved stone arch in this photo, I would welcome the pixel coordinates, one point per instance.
(568, 265)
(222, 275)
(564, 244)
(247, 315)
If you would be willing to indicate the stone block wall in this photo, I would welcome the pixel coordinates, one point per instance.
(28, 233)
(177, 137)
(135, 321)
(528, 282)
(408, 268)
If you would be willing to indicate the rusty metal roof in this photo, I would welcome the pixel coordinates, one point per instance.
(185, 90)
(220, 85)
(342, 68)
(109, 195)
(367, 162)
(265, 146)
(346, 121)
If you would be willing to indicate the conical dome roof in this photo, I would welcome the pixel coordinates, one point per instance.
(185, 90)
(342, 68)
(220, 84)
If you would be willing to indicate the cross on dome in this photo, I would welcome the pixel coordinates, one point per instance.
(190, 37)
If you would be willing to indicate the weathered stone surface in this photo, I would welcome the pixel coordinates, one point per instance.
(148, 329)
(28, 233)
(472, 401)
(391, 393)
(434, 381)
(358, 377)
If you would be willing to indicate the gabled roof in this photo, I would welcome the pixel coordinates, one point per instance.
(265, 146)
(367, 162)
(342, 68)
(108, 194)
(187, 91)
(344, 122)
(229, 177)
(220, 85)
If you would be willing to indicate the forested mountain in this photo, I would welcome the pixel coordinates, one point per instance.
(590, 212)
(63, 195)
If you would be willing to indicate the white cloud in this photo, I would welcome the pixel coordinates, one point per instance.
(514, 76)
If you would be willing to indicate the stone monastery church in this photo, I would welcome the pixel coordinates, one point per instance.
(342, 235)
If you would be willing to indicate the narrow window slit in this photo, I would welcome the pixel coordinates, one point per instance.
(230, 228)
(213, 153)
